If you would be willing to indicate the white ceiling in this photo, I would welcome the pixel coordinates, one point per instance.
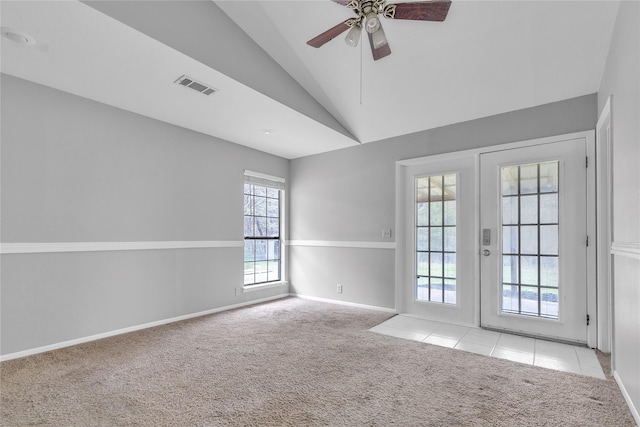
(487, 57)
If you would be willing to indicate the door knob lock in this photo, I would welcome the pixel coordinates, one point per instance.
(486, 252)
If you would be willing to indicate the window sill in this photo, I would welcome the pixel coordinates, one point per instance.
(253, 288)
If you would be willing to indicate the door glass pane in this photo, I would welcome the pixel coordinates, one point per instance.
(530, 239)
(436, 238)
(510, 210)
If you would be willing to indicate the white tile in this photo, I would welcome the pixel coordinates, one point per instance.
(515, 356)
(441, 341)
(398, 322)
(557, 364)
(471, 347)
(556, 350)
(516, 343)
(593, 371)
(480, 339)
(424, 326)
(587, 357)
(450, 331)
(484, 333)
(398, 333)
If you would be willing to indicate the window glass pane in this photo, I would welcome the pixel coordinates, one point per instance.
(450, 212)
(436, 290)
(273, 227)
(529, 300)
(449, 187)
(260, 226)
(273, 208)
(549, 208)
(249, 249)
(549, 272)
(549, 177)
(509, 210)
(422, 238)
(436, 264)
(260, 206)
(435, 188)
(449, 291)
(422, 260)
(450, 266)
(422, 289)
(509, 240)
(259, 190)
(510, 298)
(273, 249)
(247, 205)
(528, 179)
(273, 271)
(436, 239)
(261, 250)
(436, 213)
(422, 190)
(450, 239)
(549, 302)
(248, 226)
(273, 193)
(510, 269)
(509, 180)
(529, 209)
(422, 217)
(529, 240)
(529, 270)
(549, 239)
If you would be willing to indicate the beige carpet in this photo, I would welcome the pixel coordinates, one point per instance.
(292, 362)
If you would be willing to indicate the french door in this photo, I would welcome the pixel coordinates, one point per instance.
(533, 224)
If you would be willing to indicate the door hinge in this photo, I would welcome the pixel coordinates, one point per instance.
(586, 162)
(588, 320)
(587, 241)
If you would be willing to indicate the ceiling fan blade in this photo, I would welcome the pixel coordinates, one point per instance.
(329, 34)
(421, 11)
(342, 2)
(380, 52)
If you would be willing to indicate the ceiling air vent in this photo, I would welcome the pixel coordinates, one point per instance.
(197, 86)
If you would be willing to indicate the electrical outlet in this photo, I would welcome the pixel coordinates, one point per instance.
(339, 289)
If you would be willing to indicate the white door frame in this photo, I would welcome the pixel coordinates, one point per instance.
(401, 169)
(604, 219)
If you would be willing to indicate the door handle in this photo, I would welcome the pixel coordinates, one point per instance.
(486, 252)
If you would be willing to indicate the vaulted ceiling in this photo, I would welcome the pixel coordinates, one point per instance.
(486, 58)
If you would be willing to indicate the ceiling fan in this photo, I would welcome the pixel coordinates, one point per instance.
(367, 12)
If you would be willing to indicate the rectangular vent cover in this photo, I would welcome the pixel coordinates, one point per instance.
(197, 86)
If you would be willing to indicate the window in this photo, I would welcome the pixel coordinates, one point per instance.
(263, 206)
(436, 239)
(530, 221)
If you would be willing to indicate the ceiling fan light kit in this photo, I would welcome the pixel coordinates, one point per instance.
(367, 12)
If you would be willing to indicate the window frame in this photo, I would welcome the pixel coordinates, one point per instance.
(278, 184)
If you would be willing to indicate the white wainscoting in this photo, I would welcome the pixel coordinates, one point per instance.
(30, 248)
(631, 250)
(342, 244)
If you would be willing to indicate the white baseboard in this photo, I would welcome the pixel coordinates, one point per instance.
(108, 334)
(627, 398)
(350, 304)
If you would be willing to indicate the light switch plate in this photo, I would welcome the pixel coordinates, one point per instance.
(386, 233)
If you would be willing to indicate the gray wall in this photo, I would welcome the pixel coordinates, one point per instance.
(74, 170)
(621, 80)
(349, 195)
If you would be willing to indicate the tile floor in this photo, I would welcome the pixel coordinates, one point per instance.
(546, 354)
